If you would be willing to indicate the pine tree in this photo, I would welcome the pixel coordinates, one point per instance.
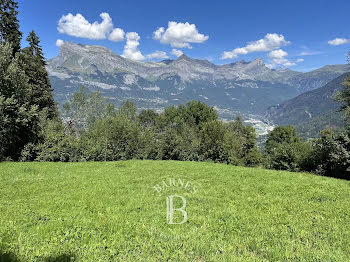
(34, 66)
(9, 25)
(19, 120)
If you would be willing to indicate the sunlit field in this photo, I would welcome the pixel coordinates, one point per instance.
(112, 211)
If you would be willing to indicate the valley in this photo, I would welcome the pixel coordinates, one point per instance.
(240, 88)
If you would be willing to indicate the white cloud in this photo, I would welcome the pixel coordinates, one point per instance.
(277, 54)
(268, 43)
(77, 25)
(59, 42)
(157, 55)
(176, 52)
(289, 63)
(339, 41)
(179, 35)
(116, 35)
(131, 50)
(278, 57)
(306, 53)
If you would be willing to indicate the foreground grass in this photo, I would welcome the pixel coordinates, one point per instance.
(110, 212)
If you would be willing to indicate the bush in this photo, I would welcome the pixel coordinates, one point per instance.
(186, 133)
(286, 151)
(332, 154)
(112, 138)
(58, 145)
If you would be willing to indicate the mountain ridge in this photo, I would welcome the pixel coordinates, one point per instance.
(316, 106)
(241, 87)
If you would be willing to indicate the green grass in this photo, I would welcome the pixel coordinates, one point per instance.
(110, 212)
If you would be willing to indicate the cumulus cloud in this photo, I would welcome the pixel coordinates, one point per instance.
(268, 43)
(339, 41)
(77, 25)
(157, 55)
(116, 35)
(277, 54)
(59, 42)
(278, 58)
(176, 52)
(131, 50)
(179, 35)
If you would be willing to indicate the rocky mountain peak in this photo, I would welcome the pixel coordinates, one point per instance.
(183, 57)
(258, 61)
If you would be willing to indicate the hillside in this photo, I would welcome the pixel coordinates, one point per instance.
(236, 88)
(111, 211)
(310, 111)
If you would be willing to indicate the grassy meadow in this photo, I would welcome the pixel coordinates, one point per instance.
(110, 211)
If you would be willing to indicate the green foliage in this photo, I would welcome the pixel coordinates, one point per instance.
(196, 113)
(34, 66)
(332, 154)
(25, 91)
(18, 117)
(212, 138)
(112, 138)
(57, 144)
(187, 133)
(128, 109)
(343, 97)
(147, 118)
(9, 25)
(286, 151)
(241, 143)
(83, 109)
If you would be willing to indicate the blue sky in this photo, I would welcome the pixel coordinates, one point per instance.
(294, 33)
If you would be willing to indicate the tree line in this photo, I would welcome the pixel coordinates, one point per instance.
(89, 128)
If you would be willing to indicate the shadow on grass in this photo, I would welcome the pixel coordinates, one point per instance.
(8, 257)
(11, 257)
(60, 258)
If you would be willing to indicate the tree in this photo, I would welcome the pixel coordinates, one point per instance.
(285, 150)
(148, 118)
(240, 144)
(343, 97)
(112, 138)
(128, 109)
(83, 109)
(56, 145)
(9, 25)
(34, 66)
(19, 120)
(332, 154)
(212, 138)
(196, 113)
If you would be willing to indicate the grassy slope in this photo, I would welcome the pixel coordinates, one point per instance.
(109, 211)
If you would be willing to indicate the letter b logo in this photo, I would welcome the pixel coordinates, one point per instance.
(170, 209)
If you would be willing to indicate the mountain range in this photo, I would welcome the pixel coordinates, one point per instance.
(311, 111)
(246, 88)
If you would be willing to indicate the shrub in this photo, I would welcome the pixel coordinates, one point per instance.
(332, 154)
